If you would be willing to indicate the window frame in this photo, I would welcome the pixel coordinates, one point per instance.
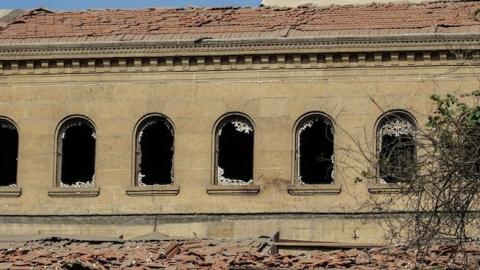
(61, 191)
(135, 189)
(378, 185)
(12, 191)
(297, 188)
(215, 188)
(136, 147)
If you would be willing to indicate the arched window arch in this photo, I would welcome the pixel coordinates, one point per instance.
(154, 144)
(396, 147)
(314, 149)
(76, 143)
(234, 140)
(8, 153)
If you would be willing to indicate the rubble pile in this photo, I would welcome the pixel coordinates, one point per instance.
(218, 254)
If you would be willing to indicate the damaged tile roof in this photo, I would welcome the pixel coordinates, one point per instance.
(234, 23)
(62, 253)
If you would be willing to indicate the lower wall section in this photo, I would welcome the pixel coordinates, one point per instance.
(363, 228)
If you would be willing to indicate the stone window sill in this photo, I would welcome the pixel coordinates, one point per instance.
(154, 190)
(10, 191)
(385, 188)
(73, 192)
(308, 190)
(233, 190)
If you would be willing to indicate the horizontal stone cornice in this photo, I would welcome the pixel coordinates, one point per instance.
(145, 64)
(22, 50)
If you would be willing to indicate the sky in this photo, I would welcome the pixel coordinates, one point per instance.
(93, 4)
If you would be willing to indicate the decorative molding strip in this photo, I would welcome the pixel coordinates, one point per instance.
(156, 190)
(233, 190)
(385, 188)
(306, 190)
(52, 48)
(10, 191)
(240, 62)
(74, 192)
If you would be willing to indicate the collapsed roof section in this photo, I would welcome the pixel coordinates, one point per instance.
(243, 23)
(184, 32)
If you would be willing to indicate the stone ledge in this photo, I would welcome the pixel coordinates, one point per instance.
(155, 190)
(233, 190)
(307, 190)
(10, 191)
(385, 188)
(73, 192)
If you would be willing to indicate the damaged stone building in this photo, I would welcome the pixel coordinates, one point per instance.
(217, 122)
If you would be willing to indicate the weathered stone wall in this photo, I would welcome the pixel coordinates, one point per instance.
(275, 99)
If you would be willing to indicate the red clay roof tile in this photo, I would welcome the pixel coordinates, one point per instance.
(304, 21)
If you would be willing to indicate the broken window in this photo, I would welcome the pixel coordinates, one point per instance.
(396, 148)
(315, 150)
(154, 159)
(234, 151)
(76, 155)
(8, 154)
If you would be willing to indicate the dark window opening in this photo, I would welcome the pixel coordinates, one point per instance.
(77, 146)
(235, 152)
(315, 150)
(155, 152)
(396, 149)
(8, 154)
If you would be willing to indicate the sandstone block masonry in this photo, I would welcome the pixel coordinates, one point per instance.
(219, 123)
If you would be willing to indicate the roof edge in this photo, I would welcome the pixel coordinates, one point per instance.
(245, 46)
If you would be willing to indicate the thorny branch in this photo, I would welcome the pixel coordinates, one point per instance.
(438, 191)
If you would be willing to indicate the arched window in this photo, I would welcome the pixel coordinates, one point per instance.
(154, 151)
(234, 138)
(314, 149)
(396, 148)
(8, 153)
(76, 153)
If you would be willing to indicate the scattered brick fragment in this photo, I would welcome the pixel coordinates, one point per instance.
(220, 255)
